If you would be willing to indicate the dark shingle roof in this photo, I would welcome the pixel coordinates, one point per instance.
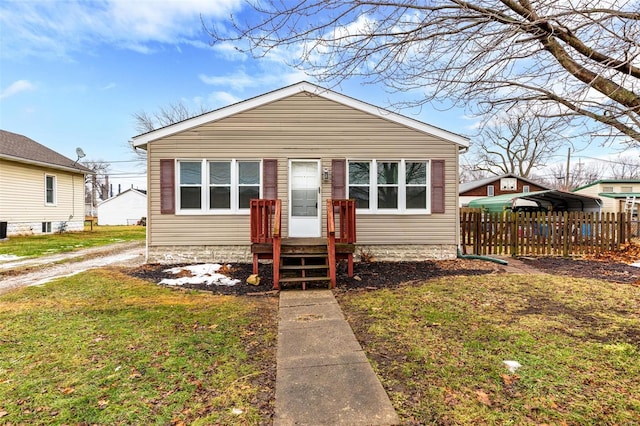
(20, 148)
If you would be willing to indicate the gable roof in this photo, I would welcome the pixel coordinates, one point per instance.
(20, 148)
(139, 192)
(606, 181)
(142, 140)
(468, 186)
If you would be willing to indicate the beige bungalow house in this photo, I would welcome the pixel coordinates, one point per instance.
(41, 191)
(618, 195)
(302, 145)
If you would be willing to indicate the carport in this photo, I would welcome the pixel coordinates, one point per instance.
(552, 200)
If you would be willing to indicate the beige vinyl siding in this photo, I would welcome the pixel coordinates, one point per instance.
(608, 204)
(302, 127)
(22, 194)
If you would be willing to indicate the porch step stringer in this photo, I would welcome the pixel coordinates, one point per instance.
(304, 264)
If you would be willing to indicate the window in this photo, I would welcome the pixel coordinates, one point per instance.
(228, 185)
(359, 181)
(416, 184)
(49, 190)
(626, 189)
(190, 185)
(46, 227)
(491, 191)
(525, 188)
(607, 189)
(389, 186)
(508, 184)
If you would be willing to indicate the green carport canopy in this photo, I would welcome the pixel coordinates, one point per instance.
(552, 199)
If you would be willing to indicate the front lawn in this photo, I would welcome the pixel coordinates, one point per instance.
(439, 346)
(40, 245)
(104, 348)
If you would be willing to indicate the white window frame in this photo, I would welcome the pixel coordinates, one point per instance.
(204, 186)
(504, 184)
(624, 189)
(54, 190)
(402, 186)
(526, 188)
(607, 189)
(491, 191)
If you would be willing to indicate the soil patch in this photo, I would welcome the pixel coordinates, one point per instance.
(617, 272)
(367, 275)
(374, 275)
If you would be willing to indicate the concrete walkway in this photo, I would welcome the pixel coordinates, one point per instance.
(323, 376)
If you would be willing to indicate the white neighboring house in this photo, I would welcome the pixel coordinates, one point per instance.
(126, 208)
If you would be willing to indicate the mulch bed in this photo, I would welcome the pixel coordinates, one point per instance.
(374, 275)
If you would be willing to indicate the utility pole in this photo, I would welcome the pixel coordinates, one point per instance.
(566, 176)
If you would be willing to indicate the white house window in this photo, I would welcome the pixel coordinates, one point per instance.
(50, 190)
(248, 182)
(508, 184)
(228, 185)
(491, 191)
(359, 183)
(46, 227)
(525, 188)
(220, 185)
(190, 185)
(416, 184)
(626, 189)
(607, 189)
(389, 186)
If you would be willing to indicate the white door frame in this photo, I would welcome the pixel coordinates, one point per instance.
(306, 226)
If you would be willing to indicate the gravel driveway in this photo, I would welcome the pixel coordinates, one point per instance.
(27, 272)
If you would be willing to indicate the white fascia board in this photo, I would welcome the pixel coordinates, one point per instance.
(142, 140)
(47, 165)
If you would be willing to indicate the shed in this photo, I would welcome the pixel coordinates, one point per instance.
(126, 208)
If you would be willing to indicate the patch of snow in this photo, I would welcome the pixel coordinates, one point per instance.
(636, 264)
(9, 257)
(200, 274)
(512, 366)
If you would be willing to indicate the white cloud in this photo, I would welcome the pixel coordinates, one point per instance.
(57, 29)
(17, 87)
(222, 99)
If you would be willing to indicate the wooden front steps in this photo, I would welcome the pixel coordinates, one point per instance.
(304, 261)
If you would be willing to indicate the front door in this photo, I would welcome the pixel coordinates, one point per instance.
(304, 198)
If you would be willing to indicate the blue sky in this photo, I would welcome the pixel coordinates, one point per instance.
(73, 73)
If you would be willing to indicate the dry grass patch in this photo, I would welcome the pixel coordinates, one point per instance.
(104, 348)
(439, 349)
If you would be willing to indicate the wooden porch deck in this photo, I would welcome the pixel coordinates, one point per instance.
(302, 260)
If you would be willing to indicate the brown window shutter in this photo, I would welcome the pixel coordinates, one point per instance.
(437, 186)
(270, 179)
(338, 179)
(167, 186)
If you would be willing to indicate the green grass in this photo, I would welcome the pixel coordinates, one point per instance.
(438, 349)
(41, 245)
(104, 348)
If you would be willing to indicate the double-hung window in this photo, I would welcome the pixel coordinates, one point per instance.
(400, 186)
(217, 186)
(49, 190)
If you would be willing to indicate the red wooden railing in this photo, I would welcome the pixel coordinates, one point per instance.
(342, 212)
(266, 225)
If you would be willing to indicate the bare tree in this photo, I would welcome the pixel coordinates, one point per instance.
(625, 167)
(579, 57)
(97, 185)
(165, 116)
(580, 174)
(517, 144)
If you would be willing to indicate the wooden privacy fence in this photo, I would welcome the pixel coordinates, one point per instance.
(530, 234)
